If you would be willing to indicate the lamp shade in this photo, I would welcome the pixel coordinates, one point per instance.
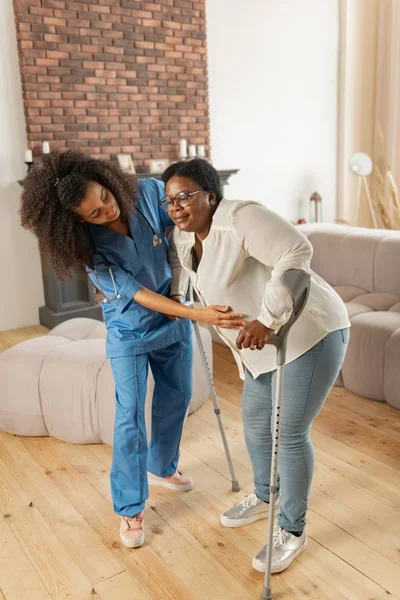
(361, 164)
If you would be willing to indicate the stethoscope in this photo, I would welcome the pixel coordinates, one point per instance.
(157, 241)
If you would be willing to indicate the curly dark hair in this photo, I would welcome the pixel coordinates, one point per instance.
(171, 171)
(200, 171)
(53, 190)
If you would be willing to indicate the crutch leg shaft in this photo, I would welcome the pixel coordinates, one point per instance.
(267, 592)
(217, 410)
(298, 283)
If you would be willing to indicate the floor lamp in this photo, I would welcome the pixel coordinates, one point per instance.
(361, 165)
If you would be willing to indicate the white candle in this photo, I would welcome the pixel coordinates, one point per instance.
(28, 156)
(201, 151)
(46, 148)
(182, 148)
(192, 151)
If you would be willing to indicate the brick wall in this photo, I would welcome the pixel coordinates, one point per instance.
(111, 76)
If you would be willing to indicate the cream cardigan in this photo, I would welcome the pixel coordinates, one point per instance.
(244, 257)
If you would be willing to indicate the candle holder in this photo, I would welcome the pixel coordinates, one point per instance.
(183, 150)
(28, 159)
(315, 208)
(201, 151)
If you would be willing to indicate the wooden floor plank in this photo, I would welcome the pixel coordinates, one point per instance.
(18, 578)
(250, 539)
(199, 573)
(119, 587)
(377, 538)
(349, 494)
(378, 415)
(341, 575)
(359, 436)
(215, 457)
(85, 484)
(363, 558)
(303, 583)
(207, 434)
(77, 538)
(15, 336)
(104, 453)
(367, 472)
(60, 574)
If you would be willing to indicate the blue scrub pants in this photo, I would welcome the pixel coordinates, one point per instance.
(132, 458)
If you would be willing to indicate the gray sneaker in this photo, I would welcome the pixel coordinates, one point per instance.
(285, 548)
(249, 510)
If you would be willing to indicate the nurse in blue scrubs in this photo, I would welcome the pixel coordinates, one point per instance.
(88, 213)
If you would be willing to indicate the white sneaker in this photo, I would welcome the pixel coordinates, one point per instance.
(178, 482)
(285, 548)
(249, 510)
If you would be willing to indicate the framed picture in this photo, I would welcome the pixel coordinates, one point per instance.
(126, 163)
(159, 165)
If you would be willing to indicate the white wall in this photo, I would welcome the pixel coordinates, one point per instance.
(21, 289)
(273, 100)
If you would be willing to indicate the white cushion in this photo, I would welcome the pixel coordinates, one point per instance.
(67, 390)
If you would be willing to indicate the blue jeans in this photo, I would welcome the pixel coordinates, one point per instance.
(306, 384)
(132, 458)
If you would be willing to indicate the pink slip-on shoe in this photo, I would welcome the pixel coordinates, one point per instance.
(131, 531)
(178, 482)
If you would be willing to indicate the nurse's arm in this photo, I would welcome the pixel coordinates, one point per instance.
(220, 316)
(179, 275)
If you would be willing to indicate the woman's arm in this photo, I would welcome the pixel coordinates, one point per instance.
(214, 315)
(276, 243)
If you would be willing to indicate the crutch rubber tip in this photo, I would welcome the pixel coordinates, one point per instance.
(266, 594)
(235, 486)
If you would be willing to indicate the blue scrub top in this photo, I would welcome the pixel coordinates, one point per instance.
(136, 263)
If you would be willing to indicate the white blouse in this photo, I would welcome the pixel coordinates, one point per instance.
(244, 257)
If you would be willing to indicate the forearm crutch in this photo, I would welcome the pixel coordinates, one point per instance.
(217, 410)
(298, 283)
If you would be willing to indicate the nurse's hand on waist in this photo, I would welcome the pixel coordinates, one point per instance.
(220, 316)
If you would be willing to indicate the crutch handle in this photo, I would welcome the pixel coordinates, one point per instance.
(298, 283)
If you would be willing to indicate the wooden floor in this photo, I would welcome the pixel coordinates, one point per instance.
(59, 535)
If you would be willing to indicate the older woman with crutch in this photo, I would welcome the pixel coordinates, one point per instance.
(241, 253)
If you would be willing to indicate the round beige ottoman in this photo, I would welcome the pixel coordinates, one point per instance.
(62, 385)
(371, 368)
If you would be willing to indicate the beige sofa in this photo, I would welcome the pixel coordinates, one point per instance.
(363, 266)
(61, 384)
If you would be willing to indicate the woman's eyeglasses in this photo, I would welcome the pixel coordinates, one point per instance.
(183, 200)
